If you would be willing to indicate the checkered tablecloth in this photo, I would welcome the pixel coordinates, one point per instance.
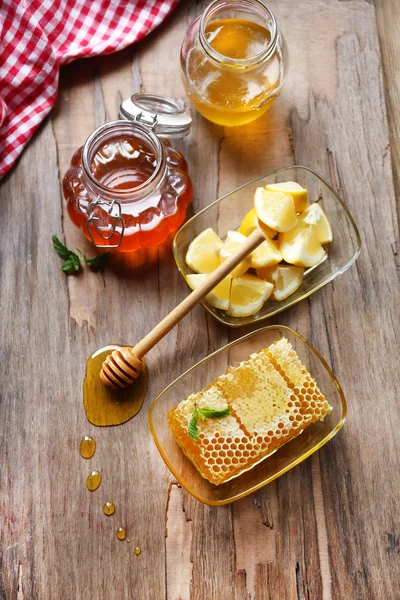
(37, 37)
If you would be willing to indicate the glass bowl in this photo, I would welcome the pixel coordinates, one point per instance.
(284, 459)
(227, 213)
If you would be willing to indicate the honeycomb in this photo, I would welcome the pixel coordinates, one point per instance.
(288, 364)
(217, 452)
(272, 398)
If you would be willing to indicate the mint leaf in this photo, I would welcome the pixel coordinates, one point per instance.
(99, 261)
(192, 428)
(71, 265)
(72, 262)
(203, 414)
(209, 413)
(61, 250)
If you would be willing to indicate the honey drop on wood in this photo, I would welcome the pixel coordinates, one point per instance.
(137, 551)
(87, 447)
(104, 406)
(93, 481)
(121, 533)
(108, 508)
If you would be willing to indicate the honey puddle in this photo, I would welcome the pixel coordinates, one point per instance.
(104, 406)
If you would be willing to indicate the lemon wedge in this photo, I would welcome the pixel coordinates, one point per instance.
(299, 194)
(219, 297)
(301, 246)
(248, 294)
(251, 222)
(203, 253)
(285, 278)
(314, 215)
(275, 209)
(232, 243)
(266, 255)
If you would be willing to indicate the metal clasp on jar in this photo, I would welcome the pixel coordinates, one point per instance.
(147, 119)
(117, 220)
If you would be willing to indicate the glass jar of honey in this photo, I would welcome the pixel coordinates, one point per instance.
(234, 61)
(127, 187)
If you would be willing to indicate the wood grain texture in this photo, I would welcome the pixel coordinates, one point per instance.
(387, 14)
(327, 530)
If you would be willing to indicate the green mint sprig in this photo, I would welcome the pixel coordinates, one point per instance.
(72, 262)
(203, 414)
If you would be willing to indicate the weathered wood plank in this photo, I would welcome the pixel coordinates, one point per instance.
(327, 530)
(387, 15)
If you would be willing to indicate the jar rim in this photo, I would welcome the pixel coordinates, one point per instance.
(238, 62)
(99, 136)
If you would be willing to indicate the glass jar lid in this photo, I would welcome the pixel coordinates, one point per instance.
(166, 116)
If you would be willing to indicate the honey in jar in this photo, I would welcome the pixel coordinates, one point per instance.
(233, 61)
(127, 187)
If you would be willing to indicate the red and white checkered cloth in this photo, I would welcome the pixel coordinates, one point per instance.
(39, 36)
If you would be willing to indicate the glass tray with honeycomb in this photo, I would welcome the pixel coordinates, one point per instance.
(246, 414)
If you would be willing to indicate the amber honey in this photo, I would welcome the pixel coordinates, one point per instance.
(127, 189)
(108, 508)
(87, 447)
(93, 481)
(121, 533)
(104, 406)
(233, 92)
(234, 61)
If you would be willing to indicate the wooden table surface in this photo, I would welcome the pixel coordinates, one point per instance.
(329, 529)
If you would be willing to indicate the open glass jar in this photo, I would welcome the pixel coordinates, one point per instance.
(127, 187)
(234, 61)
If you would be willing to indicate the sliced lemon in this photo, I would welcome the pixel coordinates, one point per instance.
(301, 246)
(203, 253)
(314, 215)
(251, 222)
(285, 278)
(299, 194)
(266, 255)
(219, 297)
(275, 209)
(248, 294)
(232, 243)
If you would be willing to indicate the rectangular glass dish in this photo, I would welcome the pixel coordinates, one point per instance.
(278, 463)
(227, 213)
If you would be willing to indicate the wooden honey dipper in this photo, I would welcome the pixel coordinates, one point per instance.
(123, 366)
